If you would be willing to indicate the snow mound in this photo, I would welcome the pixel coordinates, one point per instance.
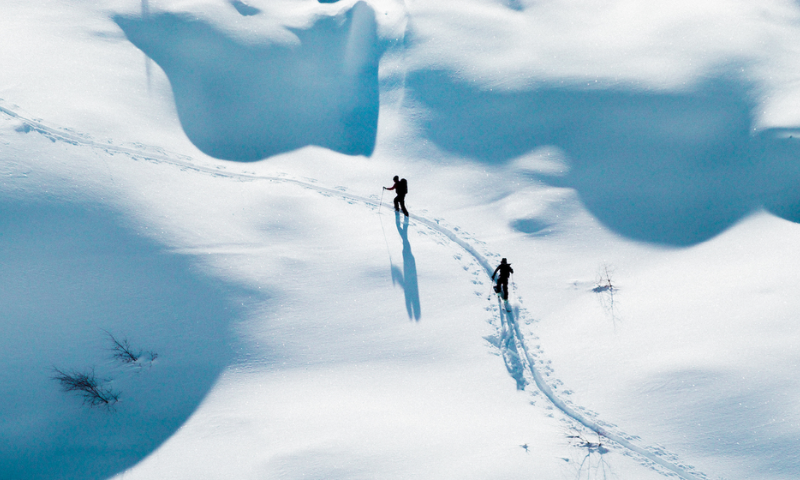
(245, 102)
(673, 168)
(73, 278)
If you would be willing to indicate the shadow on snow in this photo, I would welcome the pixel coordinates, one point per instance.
(69, 273)
(667, 168)
(245, 102)
(408, 277)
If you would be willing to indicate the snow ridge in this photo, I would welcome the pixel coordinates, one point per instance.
(512, 344)
(515, 349)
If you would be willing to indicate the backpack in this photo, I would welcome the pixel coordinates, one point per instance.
(402, 187)
(505, 270)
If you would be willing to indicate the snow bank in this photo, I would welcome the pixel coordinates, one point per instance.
(245, 102)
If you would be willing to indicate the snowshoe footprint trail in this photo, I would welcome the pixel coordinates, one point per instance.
(521, 364)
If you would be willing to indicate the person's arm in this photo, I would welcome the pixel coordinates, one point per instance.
(495, 272)
(392, 187)
(511, 270)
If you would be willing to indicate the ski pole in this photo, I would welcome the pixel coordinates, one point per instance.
(380, 218)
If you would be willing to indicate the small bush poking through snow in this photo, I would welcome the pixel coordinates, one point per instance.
(604, 281)
(123, 350)
(86, 385)
(606, 290)
(125, 353)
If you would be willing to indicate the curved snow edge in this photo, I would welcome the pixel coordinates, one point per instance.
(519, 339)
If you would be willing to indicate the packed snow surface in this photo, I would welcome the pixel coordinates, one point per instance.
(204, 278)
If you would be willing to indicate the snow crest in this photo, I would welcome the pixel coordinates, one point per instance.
(521, 360)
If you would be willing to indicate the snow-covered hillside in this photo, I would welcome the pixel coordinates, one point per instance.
(193, 224)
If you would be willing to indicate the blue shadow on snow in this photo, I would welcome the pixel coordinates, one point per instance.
(246, 102)
(70, 272)
(660, 167)
(408, 277)
(244, 9)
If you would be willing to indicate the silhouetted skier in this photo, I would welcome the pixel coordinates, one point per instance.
(502, 281)
(401, 187)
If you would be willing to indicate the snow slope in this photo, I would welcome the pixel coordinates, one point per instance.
(302, 330)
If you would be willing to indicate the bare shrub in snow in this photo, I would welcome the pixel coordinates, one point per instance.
(123, 350)
(604, 283)
(578, 439)
(606, 290)
(87, 386)
(125, 353)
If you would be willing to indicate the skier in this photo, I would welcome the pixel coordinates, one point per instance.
(401, 187)
(502, 281)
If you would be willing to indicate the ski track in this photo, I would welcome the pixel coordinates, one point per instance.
(510, 341)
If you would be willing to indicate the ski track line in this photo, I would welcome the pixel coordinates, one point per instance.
(508, 328)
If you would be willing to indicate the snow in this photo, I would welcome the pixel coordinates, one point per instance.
(202, 180)
(321, 90)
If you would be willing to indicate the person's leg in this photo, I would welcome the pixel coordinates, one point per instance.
(505, 289)
(403, 204)
(397, 203)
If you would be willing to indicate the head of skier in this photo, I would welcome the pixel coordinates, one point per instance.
(396, 178)
(503, 261)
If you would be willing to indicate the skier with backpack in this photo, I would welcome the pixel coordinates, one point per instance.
(505, 271)
(401, 188)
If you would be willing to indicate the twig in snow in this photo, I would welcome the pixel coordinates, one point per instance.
(606, 289)
(87, 386)
(125, 353)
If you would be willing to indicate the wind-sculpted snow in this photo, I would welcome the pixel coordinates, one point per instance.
(522, 360)
(674, 168)
(246, 102)
(244, 9)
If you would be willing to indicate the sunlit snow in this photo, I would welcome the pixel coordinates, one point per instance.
(193, 224)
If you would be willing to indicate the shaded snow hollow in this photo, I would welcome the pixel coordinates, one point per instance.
(302, 330)
(245, 102)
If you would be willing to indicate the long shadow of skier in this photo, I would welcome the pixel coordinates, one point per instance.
(508, 345)
(408, 277)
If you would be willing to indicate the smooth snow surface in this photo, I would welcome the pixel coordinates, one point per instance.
(200, 181)
(246, 102)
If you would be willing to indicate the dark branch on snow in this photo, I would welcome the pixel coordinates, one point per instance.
(87, 386)
(125, 353)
